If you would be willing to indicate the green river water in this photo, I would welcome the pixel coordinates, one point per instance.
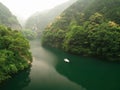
(50, 72)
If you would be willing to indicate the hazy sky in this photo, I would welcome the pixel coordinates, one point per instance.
(25, 8)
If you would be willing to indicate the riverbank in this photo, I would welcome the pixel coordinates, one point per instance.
(49, 71)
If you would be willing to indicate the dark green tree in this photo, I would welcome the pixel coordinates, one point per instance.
(14, 53)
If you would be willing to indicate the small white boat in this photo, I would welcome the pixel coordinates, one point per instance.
(66, 60)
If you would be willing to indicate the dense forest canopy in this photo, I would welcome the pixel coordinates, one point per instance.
(14, 53)
(6, 18)
(14, 48)
(89, 28)
(29, 34)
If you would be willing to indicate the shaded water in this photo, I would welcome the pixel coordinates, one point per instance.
(50, 72)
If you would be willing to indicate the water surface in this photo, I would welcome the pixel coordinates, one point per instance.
(50, 72)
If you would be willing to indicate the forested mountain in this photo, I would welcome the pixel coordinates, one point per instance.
(89, 28)
(41, 20)
(14, 53)
(7, 19)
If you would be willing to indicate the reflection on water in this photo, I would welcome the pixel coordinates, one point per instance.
(90, 73)
(50, 72)
(43, 73)
(18, 82)
(45, 77)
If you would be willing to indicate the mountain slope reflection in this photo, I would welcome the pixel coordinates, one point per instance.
(43, 73)
(18, 82)
(45, 77)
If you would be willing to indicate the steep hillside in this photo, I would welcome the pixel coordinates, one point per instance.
(41, 20)
(89, 28)
(14, 53)
(7, 19)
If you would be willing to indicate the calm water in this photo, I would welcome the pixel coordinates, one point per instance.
(50, 72)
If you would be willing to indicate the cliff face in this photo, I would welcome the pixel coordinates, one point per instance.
(7, 19)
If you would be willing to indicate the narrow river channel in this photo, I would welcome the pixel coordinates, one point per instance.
(50, 72)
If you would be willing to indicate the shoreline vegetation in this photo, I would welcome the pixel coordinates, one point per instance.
(14, 53)
(87, 29)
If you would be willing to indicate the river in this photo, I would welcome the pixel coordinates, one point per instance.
(50, 72)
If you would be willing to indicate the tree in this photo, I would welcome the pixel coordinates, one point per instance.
(14, 52)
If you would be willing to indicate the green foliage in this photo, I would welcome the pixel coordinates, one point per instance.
(89, 29)
(14, 53)
(75, 40)
(105, 41)
(56, 36)
(29, 34)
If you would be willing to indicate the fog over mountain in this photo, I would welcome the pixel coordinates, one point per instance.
(7, 18)
(41, 19)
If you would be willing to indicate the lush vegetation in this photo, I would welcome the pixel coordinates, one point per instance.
(29, 34)
(89, 28)
(6, 18)
(14, 53)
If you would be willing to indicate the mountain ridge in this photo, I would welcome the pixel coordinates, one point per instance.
(7, 18)
(42, 19)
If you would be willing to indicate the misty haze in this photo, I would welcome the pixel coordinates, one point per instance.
(59, 45)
